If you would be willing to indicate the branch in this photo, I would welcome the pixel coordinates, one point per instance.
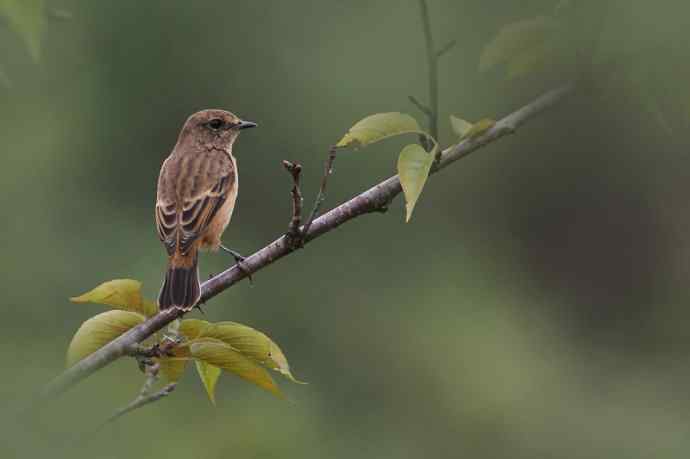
(447, 47)
(145, 396)
(321, 197)
(422, 108)
(373, 200)
(432, 68)
(293, 228)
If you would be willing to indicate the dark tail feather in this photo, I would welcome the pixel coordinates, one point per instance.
(180, 287)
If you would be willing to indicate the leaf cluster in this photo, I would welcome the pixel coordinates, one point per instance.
(213, 347)
(414, 162)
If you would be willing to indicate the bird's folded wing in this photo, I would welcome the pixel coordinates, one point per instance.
(179, 228)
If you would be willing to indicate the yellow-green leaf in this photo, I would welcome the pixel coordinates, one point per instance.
(209, 376)
(173, 367)
(459, 126)
(193, 328)
(414, 164)
(99, 331)
(123, 294)
(26, 18)
(246, 340)
(378, 127)
(479, 128)
(517, 37)
(222, 355)
(148, 307)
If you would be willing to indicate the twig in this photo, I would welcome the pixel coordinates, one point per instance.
(432, 68)
(294, 232)
(162, 349)
(445, 48)
(145, 396)
(140, 402)
(422, 108)
(321, 197)
(369, 201)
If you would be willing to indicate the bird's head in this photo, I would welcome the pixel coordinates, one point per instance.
(213, 128)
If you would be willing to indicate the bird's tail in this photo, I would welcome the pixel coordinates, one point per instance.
(181, 285)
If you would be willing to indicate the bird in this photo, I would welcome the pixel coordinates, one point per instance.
(195, 199)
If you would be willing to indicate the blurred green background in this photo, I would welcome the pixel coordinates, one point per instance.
(536, 305)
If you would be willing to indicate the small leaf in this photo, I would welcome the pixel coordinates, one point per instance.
(99, 331)
(222, 355)
(173, 367)
(149, 308)
(414, 164)
(459, 126)
(479, 128)
(209, 376)
(516, 38)
(378, 127)
(123, 294)
(193, 328)
(26, 18)
(246, 340)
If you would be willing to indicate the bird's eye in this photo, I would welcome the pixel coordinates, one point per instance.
(215, 124)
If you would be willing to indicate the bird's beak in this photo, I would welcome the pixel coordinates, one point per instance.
(246, 125)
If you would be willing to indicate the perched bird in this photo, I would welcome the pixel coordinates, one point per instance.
(197, 188)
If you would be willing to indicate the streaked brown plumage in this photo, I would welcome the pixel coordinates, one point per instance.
(197, 188)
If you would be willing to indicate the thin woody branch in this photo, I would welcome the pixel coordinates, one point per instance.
(447, 47)
(146, 396)
(422, 108)
(432, 69)
(293, 228)
(321, 197)
(374, 199)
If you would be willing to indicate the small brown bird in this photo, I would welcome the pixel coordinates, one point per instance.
(197, 188)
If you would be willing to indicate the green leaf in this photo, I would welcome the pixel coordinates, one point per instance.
(193, 328)
(414, 164)
(380, 126)
(99, 331)
(459, 126)
(517, 39)
(209, 376)
(479, 128)
(246, 340)
(123, 294)
(222, 355)
(173, 367)
(26, 18)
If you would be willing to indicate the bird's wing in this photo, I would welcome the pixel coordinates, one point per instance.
(179, 225)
